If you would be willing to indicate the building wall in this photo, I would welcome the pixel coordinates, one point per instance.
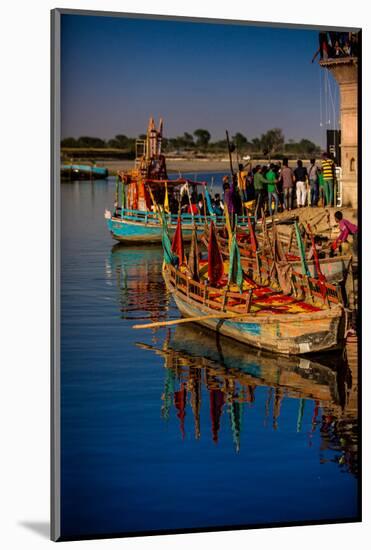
(346, 73)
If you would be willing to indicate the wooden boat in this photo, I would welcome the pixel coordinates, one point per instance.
(83, 172)
(144, 191)
(335, 269)
(311, 329)
(310, 320)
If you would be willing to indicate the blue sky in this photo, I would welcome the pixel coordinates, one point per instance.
(116, 72)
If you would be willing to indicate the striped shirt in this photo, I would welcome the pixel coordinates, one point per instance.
(327, 169)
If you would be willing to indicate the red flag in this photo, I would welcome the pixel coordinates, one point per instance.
(180, 400)
(177, 244)
(254, 246)
(215, 260)
(216, 407)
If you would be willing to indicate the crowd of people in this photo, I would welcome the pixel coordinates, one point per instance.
(278, 187)
(333, 45)
(269, 188)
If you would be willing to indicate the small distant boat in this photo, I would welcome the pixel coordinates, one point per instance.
(146, 195)
(83, 172)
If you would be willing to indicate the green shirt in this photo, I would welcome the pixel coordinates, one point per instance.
(259, 181)
(320, 179)
(271, 177)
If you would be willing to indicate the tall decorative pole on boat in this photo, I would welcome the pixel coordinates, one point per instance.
(153, 138)
(159, 136)
(230, 149)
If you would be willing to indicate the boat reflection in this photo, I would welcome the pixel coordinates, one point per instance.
(198, 362)
(141, 290)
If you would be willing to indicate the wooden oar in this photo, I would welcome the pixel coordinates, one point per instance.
(220, 315)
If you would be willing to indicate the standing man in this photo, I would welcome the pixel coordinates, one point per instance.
(328, 171)
(313, 182)
(229, 201)
(287, 178)
(301, 177)
(259, 182)
(272, 190)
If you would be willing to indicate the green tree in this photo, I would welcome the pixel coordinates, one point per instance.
(272, 141)
(240, 141)
(202, 137)
(188, 139)
(120, 142)
(256, 145)
(308, 147)
(87, 141)
(69, 142)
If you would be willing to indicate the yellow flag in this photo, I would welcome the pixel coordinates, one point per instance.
(228, 225)
(166, 201)
(155, 207)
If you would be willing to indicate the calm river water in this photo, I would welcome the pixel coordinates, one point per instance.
(177, 429)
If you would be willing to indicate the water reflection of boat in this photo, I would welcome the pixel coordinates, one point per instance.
(232, 374)
(137, 273)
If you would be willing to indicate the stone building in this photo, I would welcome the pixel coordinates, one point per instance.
(345, 71)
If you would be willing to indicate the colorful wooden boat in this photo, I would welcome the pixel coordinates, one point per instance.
(290, 315)
(135, 226)
(282, 324)
(144, 191)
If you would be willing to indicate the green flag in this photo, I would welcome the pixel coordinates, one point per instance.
(304, 265)
(169, 257)
(235, 274)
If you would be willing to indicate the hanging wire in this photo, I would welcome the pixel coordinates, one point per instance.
(321, 92)
(332, 95)
(336, 100)
(328, 121)
(320, 98)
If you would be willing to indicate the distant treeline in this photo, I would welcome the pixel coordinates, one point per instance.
(271, 144)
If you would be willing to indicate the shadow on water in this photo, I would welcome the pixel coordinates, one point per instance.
(231, 373)
(137, 272)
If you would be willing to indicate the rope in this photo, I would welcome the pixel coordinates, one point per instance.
(320, 98)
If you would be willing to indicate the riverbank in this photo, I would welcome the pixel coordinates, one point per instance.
(174, 166)
(182, 165)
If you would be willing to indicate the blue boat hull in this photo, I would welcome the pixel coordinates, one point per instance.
(140, 232)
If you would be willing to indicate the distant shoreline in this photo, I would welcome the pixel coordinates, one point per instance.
(184, 166)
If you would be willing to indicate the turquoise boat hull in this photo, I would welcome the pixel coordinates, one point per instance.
(137, 232)
(142, 227)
